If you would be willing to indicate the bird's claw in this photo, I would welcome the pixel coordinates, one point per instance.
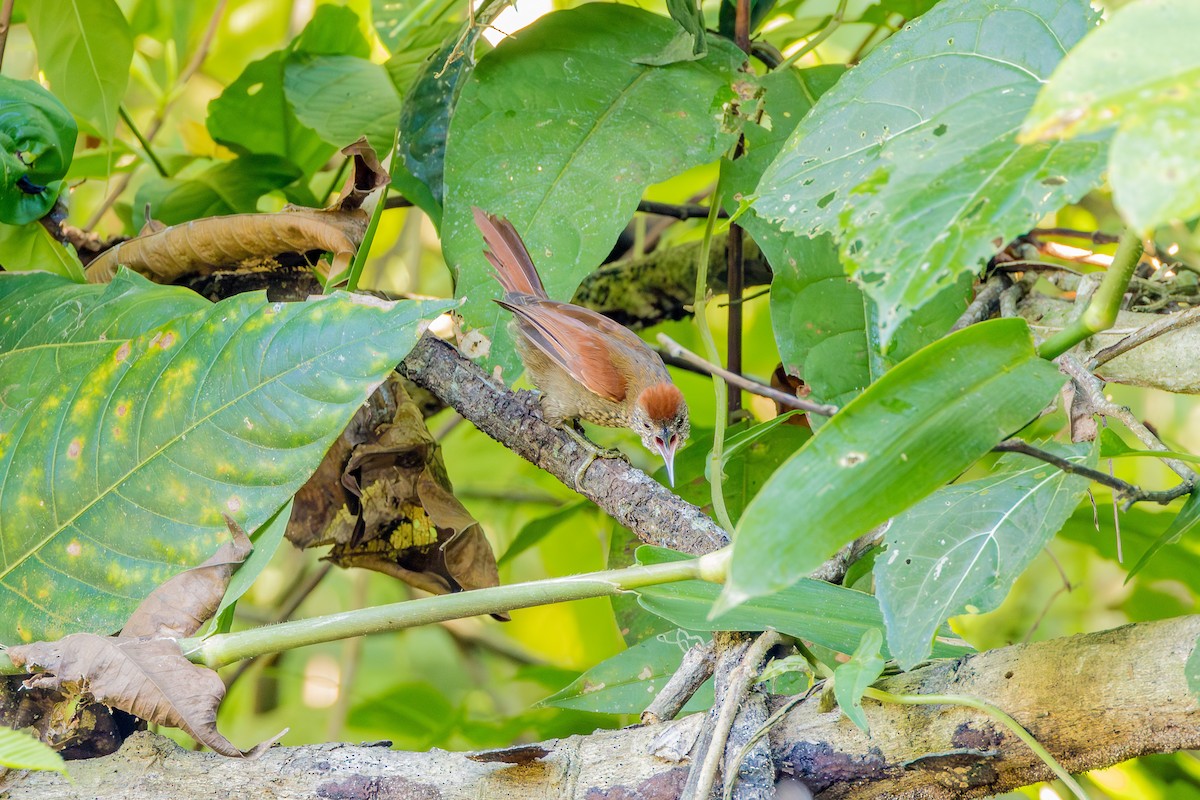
(593, 453)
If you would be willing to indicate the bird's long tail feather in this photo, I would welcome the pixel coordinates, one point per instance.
(508, 255)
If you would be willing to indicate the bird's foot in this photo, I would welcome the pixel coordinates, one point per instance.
(593, 452)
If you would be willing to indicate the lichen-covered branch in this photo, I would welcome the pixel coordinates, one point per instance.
(514, 419)
(1092, 700)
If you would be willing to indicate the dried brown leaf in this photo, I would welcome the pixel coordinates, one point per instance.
(383, 501)
(205, 245)
(181, 605)
(368, 176)
(149, 678)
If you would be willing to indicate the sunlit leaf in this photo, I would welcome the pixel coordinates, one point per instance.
(84, 48)
(31, 247)
(1154, 164)
(342, 98)
(911, 160)
(135, 415)
(1183, 523)
(914, 429)
(965, 545)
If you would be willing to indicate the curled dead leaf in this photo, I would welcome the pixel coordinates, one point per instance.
(367, 176)
(181, 605)
(205, 245)
(383, 501)
(148, 677)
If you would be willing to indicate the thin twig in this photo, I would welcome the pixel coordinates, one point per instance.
(1126, 489)
(736, 687)
(986, 302)
(741, 26)
(1170, 322)
(1096, 237)
(677, 350)
(697, 667)
(144, 142)
(735, 264)
(678, 211)
(1092, 388)
(835, 22)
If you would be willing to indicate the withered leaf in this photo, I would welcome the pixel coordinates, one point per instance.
(147, 677)
(367, 176)
(204, 245)
(382, 499)
(181, 605)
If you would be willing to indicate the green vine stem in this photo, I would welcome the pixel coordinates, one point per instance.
(720, 388)
(1101, 312)
(227, 648)
(992, 711)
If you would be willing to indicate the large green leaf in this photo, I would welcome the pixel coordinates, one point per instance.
(84, 48)
(627, 682)
(135, 415)
(964, 545)
(1154, 164)
(829, 615)
(914, 429)
(561, 130)
(343, 98)
(912, 160)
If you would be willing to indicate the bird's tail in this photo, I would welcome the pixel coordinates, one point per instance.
(508, 256)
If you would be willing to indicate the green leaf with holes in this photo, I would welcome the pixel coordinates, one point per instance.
(134, 415)
(964, 545)
(912, 161)
(1154, 164)
(920, 425)
(542, 134)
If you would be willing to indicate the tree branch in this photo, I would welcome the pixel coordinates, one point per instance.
(1091, 700)
(514, 419)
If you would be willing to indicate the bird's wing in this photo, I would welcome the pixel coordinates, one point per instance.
(572, 341)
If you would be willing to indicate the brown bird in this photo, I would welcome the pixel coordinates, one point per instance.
(586, 366)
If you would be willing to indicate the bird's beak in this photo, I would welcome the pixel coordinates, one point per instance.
(667, 451)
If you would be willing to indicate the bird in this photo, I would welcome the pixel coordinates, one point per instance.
(586, 366)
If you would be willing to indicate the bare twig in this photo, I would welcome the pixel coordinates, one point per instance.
(1092, 389)
(697, 667)
(703, 774)
(677, 350)
(1170, 322)
(1096, 237)
(735, 262)
(1129, 491)
(986, 302)
(678, 211)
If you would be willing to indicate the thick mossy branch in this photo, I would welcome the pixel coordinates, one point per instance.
(1092, 701)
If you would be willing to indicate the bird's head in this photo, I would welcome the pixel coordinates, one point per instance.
(660, 417)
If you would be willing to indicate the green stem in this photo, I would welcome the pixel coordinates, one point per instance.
(158, 165)
(834, 22)
(1101, 312)
(226, 648)
(217, 651)
(992, 711)
(716, 457)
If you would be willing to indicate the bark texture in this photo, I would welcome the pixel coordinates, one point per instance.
(1092, 700)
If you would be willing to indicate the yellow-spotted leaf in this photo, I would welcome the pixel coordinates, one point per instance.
(132, 416)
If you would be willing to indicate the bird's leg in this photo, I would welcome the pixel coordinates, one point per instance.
(573, 430)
